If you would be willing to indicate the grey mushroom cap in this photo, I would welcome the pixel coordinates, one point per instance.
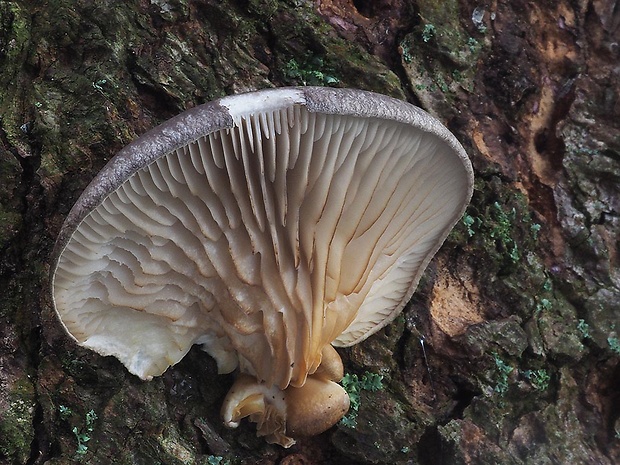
(262, 226)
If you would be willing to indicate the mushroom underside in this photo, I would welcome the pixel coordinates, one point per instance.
(265, 240)
(223, 242)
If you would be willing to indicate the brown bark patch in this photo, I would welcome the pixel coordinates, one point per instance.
(455, 302)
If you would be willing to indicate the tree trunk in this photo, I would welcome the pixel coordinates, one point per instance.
(509, 351)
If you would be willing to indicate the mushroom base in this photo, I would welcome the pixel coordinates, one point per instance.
(282, 415)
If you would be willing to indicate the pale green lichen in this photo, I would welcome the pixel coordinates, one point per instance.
(217, 460)
(584, 329)
(539, 379)
(502, 373)
(614, 344)
(354, 386)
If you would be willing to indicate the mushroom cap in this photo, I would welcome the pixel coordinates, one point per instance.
(263, 226)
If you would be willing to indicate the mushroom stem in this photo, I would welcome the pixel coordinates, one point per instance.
(295, 412)
(262, 404)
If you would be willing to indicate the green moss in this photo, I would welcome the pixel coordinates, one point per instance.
(14, 44)
(442, 18)
(307, 49)
(311, 72)
(16, 422)
(10, 223)
(14, 41)
(558, 326)
(15, 26)
(501, 225)
(439, 55)
(264, 8)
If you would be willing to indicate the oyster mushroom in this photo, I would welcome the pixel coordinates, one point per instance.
(266, 227)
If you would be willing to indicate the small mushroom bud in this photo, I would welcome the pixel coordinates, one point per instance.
(315, 407)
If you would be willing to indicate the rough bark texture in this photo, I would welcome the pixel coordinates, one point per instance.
(510, 350)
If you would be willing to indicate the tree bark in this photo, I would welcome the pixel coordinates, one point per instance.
(508, 353)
